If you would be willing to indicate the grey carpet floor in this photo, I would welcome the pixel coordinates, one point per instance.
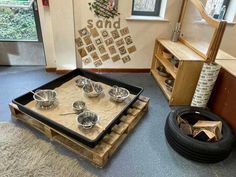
(144, 153)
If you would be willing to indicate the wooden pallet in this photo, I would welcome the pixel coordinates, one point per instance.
(101, 153)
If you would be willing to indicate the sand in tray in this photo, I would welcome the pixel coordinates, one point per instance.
(67, 94)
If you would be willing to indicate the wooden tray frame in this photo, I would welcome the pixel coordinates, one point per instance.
(101, 153)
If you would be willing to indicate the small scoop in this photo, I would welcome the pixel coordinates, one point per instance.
(78, 107)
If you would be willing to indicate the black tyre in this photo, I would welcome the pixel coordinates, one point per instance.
(193, 149)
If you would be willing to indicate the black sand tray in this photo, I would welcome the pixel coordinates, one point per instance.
(28, 97)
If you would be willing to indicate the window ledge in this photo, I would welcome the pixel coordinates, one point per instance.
(204, 22)
(146, 18)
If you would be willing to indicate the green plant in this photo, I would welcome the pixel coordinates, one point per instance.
(17, 24)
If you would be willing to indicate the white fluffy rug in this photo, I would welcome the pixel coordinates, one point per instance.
(22, 154)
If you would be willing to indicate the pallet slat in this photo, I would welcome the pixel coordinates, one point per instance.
(128, 119)
(111, 138)
(120, 128)
(133, 111)
(139, 105)
(100, 154)
(117, 144)
(144, 99)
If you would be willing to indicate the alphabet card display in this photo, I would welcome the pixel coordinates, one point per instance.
(100, 45)
(103, 39)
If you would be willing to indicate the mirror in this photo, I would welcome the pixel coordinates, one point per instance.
(200, 31)
(195, 29)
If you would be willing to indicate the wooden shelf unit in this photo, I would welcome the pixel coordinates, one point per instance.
(186, 75)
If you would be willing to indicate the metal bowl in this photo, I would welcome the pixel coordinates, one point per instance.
(48, 95)
(162, 71)
(79, 106)
(174, 61)
(169, 84)
(87, 119)
(118, 94)
(80, 82)
(92, 89)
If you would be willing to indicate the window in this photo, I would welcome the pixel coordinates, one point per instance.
(19, 21)
(16, 3)
(217, 8)
(146, 7)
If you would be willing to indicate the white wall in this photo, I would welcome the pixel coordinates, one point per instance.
(144, 33)
(63, 33)
(58, 33)
(228, 42)
(47, 34)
